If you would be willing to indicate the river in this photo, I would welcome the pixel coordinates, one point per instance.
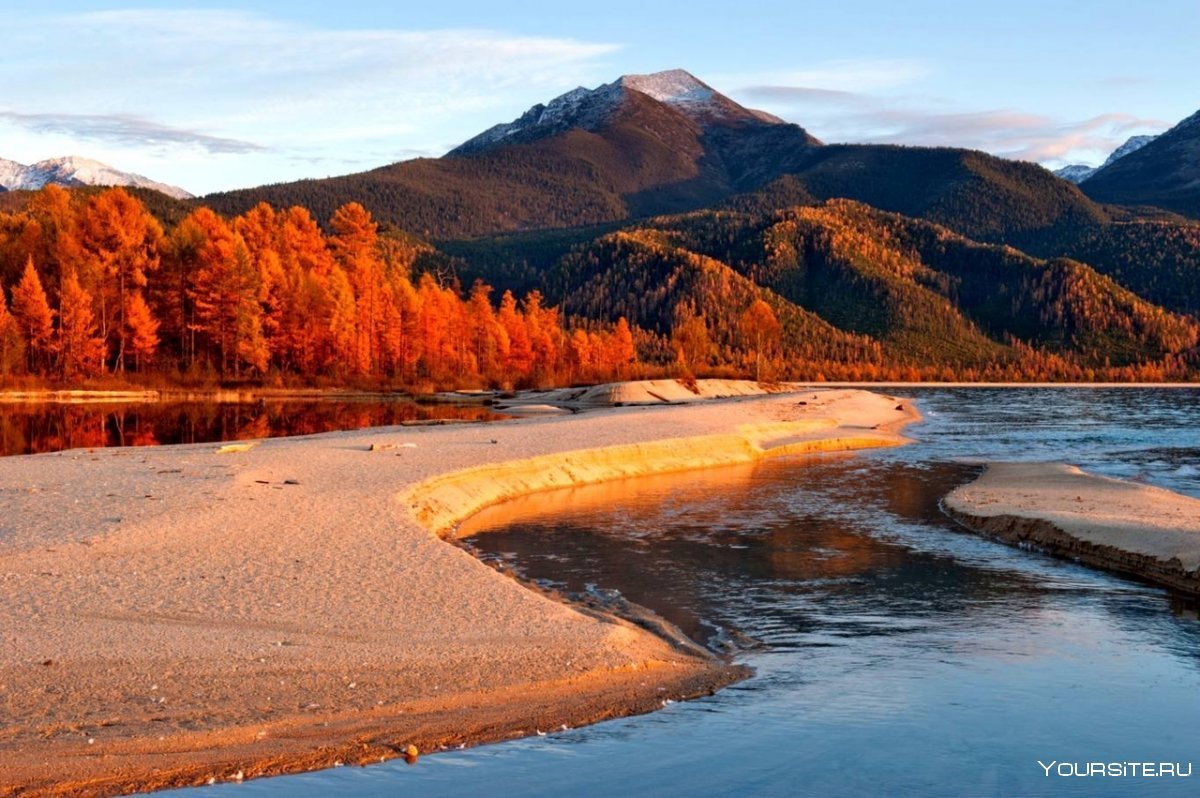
(895, 654)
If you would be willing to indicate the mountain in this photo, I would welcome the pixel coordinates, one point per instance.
(851, 283)
(645, 145)
(659, 286)
(979, 195)
(75, 171)
(1078, 172)
(1164, 173)
(11, 173)
(642, 145)
(589, 109)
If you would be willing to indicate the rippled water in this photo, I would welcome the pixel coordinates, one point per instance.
(51, 427)
(895, 653)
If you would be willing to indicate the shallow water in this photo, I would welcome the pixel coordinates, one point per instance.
(895, 653)
(51, 427)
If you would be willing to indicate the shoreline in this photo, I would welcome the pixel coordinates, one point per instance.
(1141, 531)
(186, 669)
(236, 395)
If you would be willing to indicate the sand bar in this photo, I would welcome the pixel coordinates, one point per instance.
(1135, 529)
(172, 615)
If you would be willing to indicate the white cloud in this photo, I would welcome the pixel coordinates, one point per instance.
(857, 75)
(842, 115)
(223, 81)
(121, 129)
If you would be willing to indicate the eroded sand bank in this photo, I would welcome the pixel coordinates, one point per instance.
(1135, 529)
(175, 614)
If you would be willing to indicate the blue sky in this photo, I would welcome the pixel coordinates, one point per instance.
(211, 96)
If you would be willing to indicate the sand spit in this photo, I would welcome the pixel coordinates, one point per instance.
(173, 615)
(643, 392)
(1140, 530)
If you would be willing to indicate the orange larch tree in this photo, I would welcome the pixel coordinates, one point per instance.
(12, 343)
(760, 333)
(80, 349)
(519, 360)
(142, 330)
(225, 292)
(31, 309)
(121, 240)
(355, 247)
(623, 353)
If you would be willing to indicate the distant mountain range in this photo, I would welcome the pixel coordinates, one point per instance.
(1078, 172)
(75, 171)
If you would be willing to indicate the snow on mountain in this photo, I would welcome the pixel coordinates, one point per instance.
(11, 172)
(1076, 172)
(587, 108)
(75, 171)
(1134, 144)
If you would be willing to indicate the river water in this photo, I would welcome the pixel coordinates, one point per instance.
(50, 427)
(895, 654)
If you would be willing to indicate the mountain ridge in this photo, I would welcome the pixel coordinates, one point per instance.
(1078, 172)
(589, 108)
(1165, 173)
(74, 170)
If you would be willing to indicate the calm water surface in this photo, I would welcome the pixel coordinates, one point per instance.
(895, 654)
(51, 427)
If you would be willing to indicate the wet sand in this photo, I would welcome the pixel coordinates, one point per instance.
(176, 615)
(1144, 531)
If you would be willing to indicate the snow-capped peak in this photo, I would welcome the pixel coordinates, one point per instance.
(1133, 144)
(675, 86)
(10, 172)
(586, 108)
(1078, 172)
(73, 170)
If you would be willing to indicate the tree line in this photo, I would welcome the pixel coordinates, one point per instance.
(93, 285)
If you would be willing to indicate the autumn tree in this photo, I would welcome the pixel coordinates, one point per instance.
(12, 343)
(80, 350)
(519, 360)
(141, 330)
(343, 331)
(259, 228)
(579, 355)
(57, 246)
(121, 240)
(488, 339)
(355, 248)
(228, 314)
(303, 339)
(622, 352)
(760, 333)
(31, 309)
(691, 339)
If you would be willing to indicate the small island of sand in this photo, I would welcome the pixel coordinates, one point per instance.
(175, 615)
(1135, 529)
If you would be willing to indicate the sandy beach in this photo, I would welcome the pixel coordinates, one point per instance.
(1135, 529)
(176, 615)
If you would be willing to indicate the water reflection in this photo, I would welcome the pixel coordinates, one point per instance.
(47, 427)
